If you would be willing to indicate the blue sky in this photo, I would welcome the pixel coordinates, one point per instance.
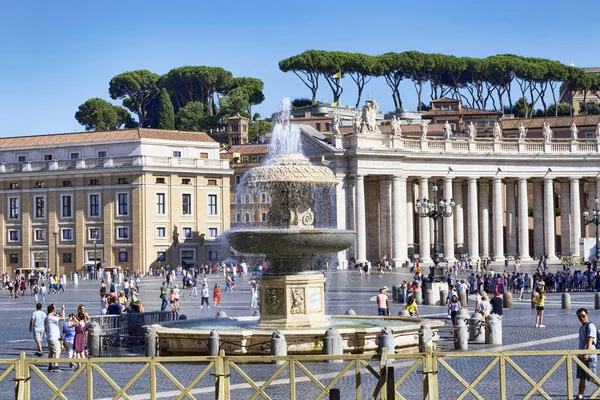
(55, 55)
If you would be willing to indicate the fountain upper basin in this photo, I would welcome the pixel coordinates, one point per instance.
(290, 241)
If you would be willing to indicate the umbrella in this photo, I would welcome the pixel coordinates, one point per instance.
(230, 260)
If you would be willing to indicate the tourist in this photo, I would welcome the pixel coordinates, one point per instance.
(383, 301)
(104, 304)
(204, 294)
(126, 288)
(43, 292)
(36, 291)
(177, 294)
(62, 282)
(227, 283)
(68, 336)
(172, 300)
(453, 307)
(36, 325)
(102, 288)
(53, 334)
(538, 300)
(114, 307)
(497, 304)
(411, 307)
(485, 307)
(587, 341)
(194, 287)
(80, 326)
(122, 299)
(217, 295)
(164, 297)
(254, 295)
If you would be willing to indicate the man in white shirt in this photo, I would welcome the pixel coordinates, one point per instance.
(51, 325)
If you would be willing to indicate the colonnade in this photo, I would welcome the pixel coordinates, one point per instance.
(491, 217)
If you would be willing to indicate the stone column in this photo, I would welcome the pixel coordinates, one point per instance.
(549, 218)
(523, 221)
(459, 219)
(565, 218)
(473, 224)
(399, 244)
(424, 225)
(448, 224)
(498, 228)
(511, 219)
(385, 217)
(575, 217)
(410, 215)
(361, 223)
(484, 207)
(341, 208)
(538, 219)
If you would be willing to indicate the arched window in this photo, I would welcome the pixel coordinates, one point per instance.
(263, 197)
(263, 217)
(247, 198)
(238, 198)
(237, 179)
(238, 217)
(247, 217)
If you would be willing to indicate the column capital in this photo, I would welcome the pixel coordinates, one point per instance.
(399, 178)
(522, 179)
(574, 178)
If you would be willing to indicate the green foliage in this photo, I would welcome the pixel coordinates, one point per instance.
(193, 117)
(166, 114)
(302, 102)
(258, 128)
(99, 115)
(520, 108)
(137, 89)
(589, 109)
(563, 109)
(252, 86)
(237, 101)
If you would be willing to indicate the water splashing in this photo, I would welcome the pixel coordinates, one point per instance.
(285, 138)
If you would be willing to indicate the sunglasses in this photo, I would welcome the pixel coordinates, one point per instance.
(582, 316)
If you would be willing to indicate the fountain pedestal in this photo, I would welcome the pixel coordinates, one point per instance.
(293, 301)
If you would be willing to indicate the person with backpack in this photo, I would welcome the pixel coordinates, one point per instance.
(588, 339)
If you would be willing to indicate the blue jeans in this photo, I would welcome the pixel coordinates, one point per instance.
(382, 311)
(164, 304)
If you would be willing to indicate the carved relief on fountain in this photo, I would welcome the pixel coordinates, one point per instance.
(274, 301)
(297, 301)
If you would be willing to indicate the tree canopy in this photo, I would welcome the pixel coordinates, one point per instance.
(99, 115)
(137, 89)
(166, 115)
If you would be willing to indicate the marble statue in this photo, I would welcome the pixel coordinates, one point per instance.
(356, 124)
(395, 128)
(335, 126)
(497, 131)
(547, 132)
(447, 131)
(472, 131)
(598, 132)
(574, 132)
(423, 125)
(369, 117)
(522, 132)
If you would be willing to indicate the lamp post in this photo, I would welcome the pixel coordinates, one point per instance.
(55, 234)
(436, 211)
(595, 219)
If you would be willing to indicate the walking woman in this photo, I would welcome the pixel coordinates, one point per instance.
(539, 300)
(79, 342)
(453, 307)
(217, 295)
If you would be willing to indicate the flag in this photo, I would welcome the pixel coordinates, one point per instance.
(338, 75)
(334, 104)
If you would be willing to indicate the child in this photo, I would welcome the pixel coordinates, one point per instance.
(411, 307)
(204, 296)
(453, 307)
(538, 300)
(217, 295)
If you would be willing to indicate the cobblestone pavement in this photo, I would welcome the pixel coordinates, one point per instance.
(345, 289)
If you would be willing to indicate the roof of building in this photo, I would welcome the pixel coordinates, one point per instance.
(103, 136)
(555, 122)
(462, 111)
(445, 100)
(249, 149)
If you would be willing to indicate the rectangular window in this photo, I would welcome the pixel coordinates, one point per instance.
(213, 232)
(93, 233)
(122, 181)
(40, 207)
(212, 205)
(203, 155)
(212, 182)
(66, 206)
(161, 232)
(102, 154)
(94, 182)
(13, 235)
(122, 204)
(160, 204)
(186, 181)
(39, 185)
(14, 258)
(177, 154)
(66, 234)
(160, 180)
(186, 204)
(47, 157)
(187, 232)
(22, 159)
(94, 205)
(318, 126)
(67, 258)
(39, 235)
(67, 183)
(74, 156)
(13, 185)
(13, 208)
(122, 232)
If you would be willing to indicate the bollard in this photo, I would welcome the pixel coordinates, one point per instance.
(418, 296)
(532, 297)
(386, 341)
(75, 279)
(597, 301)
(94, 339)
(565, 302)
(278, 346)
(507, 299)
(214, 342)
(443, 296)
(182, 317)
(350, 312)
(221, 314)
(256, 313)
(462, 297)
(333, 344)
(493, 329)
(396, 291)
(419, 284)
(334, 394)
(476, 328)
(403, 313)
(429, 297)
(150, 343)
(463, 314)
(460, 336)
(425, 338)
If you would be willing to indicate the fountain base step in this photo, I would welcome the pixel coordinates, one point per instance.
(293, 301)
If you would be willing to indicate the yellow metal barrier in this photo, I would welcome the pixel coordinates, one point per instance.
(373, 376)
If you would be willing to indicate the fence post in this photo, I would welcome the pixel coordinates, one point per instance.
(430, 378)
(219, 374)
(383, 374)
(391, 383)
(22, 379)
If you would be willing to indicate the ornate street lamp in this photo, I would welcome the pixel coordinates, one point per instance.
(595, 219)
(436, 211)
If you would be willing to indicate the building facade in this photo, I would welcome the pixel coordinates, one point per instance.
(133, 198)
